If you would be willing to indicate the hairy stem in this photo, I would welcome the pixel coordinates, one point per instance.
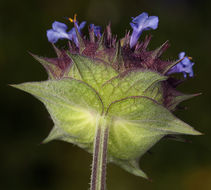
(98, 178)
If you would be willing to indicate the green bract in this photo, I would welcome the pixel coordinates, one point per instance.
(130, 102)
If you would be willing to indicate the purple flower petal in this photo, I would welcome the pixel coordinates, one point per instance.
(72, 32)
(82, 25)
(141, 23)
(57, 32)
(184, 66)
(181, 55)
(59, 27)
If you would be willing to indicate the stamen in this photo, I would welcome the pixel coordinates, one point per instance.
(74, 19)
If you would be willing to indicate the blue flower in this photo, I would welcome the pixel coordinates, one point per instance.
(142, 23)
(72, 32)
(59, 31)
(97, 30)
(184, 66)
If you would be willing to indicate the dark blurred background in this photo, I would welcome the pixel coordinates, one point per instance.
(27, 165)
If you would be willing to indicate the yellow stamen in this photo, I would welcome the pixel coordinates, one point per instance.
(74, 19)
(190, 58)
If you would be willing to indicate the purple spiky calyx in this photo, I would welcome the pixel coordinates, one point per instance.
(118, 54)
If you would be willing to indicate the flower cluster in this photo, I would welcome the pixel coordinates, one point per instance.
(139, 24)
(118, 88)
(59, 31)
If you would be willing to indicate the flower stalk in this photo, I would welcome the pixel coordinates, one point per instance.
(98, 177)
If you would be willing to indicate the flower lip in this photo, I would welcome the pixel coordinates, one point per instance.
(184, 66)
(142, 23)
(59, 31)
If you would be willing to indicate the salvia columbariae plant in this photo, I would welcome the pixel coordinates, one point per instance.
(112, 97)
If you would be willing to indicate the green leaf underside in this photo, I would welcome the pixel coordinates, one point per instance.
(134, 83)
(57, 133)
(131, 103)
(93, 72)
(132, 166)
(67, 91)
(51, 69)
(128, 141)
(148, 114)
(179, 99)
(138, 123)
(74, 72)
(110, 85)
(72, 104)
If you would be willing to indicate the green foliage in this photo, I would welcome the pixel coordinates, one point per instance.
(131, 103)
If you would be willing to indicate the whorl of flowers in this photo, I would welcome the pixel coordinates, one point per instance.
(112, 93)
